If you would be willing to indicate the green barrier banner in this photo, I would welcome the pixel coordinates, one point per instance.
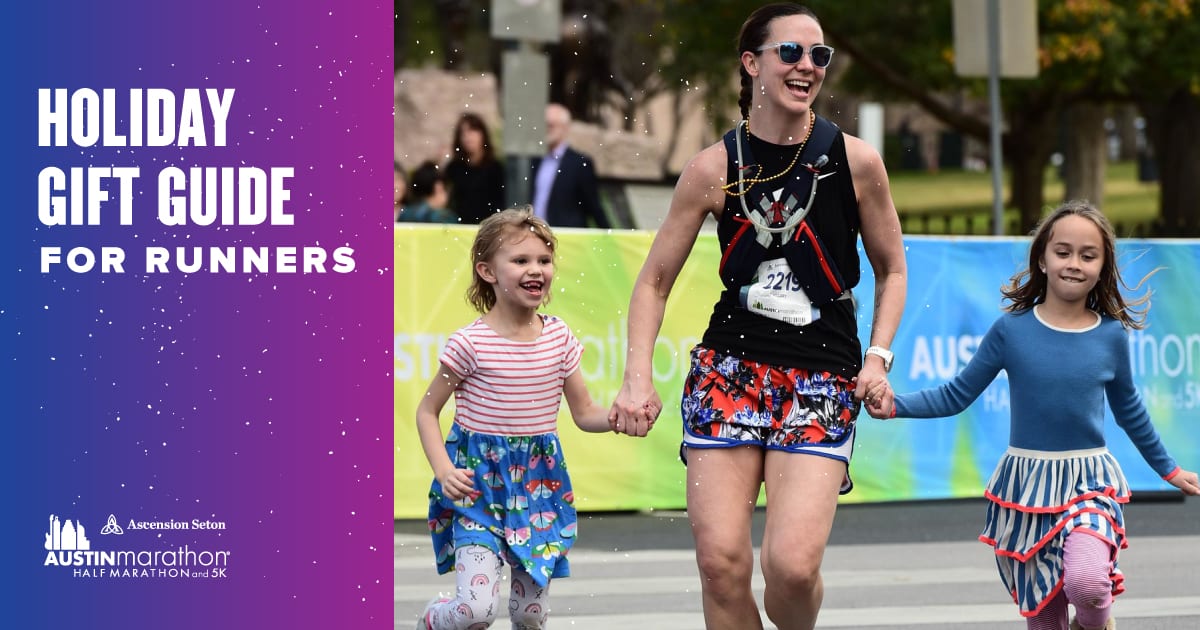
(594, 277)
(954, 296)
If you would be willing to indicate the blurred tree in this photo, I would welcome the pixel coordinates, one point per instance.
(401, 18)
(1091, 52)
(583, 70)
(1085, 147)
(416, 35)
(923, 72)
(453, 17)
(1165, 85)
(638, 50)
(451, 34)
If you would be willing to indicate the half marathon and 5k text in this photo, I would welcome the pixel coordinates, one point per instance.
(199, 196)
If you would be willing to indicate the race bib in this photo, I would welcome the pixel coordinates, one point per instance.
(775, 292)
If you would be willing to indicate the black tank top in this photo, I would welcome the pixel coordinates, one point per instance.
(831, 343)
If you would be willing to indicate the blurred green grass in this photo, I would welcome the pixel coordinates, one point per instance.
(960, 202)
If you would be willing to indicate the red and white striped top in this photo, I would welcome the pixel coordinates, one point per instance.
(511, 387)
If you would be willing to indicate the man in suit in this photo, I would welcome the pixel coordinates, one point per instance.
(564, 180)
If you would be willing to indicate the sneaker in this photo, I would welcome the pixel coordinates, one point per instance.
(424, 622)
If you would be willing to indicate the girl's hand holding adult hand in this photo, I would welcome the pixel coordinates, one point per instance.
(881, 406)
(635, 410)
(877, 396)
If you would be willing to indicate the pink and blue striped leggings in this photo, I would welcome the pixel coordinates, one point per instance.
(1087, 565)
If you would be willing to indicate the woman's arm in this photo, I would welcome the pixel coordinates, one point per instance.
(884, 246)
(697, 194)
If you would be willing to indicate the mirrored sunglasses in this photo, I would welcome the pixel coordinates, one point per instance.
(791, 52)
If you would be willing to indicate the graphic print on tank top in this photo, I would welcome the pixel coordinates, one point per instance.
(775, 291)
(790, 288)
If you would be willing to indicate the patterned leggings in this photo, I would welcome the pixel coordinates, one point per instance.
(478, 577)
(1087, 562)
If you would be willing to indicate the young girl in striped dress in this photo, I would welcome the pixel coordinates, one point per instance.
(1054, 512)
(501, 492)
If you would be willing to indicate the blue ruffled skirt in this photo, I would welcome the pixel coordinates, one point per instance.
(1036, 499)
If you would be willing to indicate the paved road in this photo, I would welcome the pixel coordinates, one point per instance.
(889, 566)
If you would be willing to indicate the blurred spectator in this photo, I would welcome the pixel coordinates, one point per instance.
(475, 175)
(565, 193)
(427, 197)
(399, 189)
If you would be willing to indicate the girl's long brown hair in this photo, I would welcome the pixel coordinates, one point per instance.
(1028, 287)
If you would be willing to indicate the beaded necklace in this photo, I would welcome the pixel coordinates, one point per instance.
(745, 184)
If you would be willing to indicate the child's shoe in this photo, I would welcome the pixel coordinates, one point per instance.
(424, 622)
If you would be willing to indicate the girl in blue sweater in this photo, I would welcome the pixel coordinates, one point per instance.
(1054, 512)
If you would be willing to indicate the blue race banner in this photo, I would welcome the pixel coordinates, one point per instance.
(953, 298)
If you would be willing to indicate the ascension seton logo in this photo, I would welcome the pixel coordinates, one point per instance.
(68, 547)
(112, 526)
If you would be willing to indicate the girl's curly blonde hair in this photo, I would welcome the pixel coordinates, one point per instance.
(488, 240)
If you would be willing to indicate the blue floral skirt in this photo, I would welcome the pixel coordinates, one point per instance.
(522, 507)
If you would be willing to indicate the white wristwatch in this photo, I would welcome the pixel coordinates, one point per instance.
(882, 353)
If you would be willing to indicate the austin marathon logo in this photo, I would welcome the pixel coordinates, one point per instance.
(69, 548)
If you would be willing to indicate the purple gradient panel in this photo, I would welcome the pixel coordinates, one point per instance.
(262, 401)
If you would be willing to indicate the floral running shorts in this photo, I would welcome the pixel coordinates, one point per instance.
(730, 402)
